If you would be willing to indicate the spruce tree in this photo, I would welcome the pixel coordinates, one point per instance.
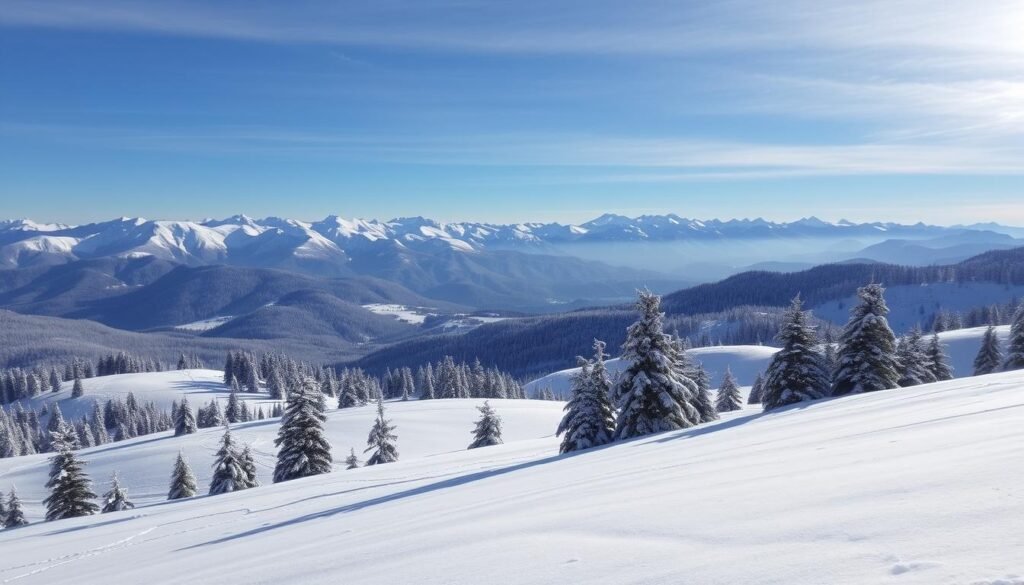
(77, 391)
(914, 364)
(705, 406)
(233, 412)
(989, 357)
(15, 517)
(381, 439)
(755, 391)
(653, 394)
(184, 419)
(488, 429)
(797, 371)
(589, 419)
(351, 462)
(303, 449)
(71, 495)
(728, 397)
(938, 360)
(1015, 351)
(867, 347)
(228, 472)
(116, 499)
(183, 481)
(248, 463)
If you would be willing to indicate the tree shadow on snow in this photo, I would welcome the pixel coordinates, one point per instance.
(355, 507)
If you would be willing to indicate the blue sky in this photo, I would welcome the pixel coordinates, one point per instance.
(553, 111)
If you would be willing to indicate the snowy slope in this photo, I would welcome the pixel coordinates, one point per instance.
(425, 428)
(161, 388)
(919, 485)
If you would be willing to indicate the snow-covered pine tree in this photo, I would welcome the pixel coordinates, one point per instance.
(233, 412)
(3, 511)
(1015, 351)
(183, 481)
(797, 371)
(938, 361)
(755, 391)
(914, 363)
(867, 347)
(184, 420)
(71, 495)
(116, 499)
(589, 419)
(653, 394)
(488, 429)
(303, 449)
(382, 439)
(248, 463)
(728, 397)
(15, 513)
(351, 462)
(77, 391)
(228, 473)
(705, 406)
(989, 357)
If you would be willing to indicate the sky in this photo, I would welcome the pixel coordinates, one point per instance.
(900, 110)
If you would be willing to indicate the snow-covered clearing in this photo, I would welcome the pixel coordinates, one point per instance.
(205, 324)
(413, 315)
(917, 485)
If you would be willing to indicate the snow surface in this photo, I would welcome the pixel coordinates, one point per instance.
(413, 315)
(424, 428)
(205, 324)
(920, 485)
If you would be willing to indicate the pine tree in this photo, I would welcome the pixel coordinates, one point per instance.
(70, 493)
(116, 499)
(233, 412)
(755, 391)
(938, 360)
(914, 364)
(351, 462)
(589, 419)
(77, 391)
(703, 403)
(183, 481)
(15, 514)
(184, 420)
(228, 473)
(382, 439)
(1015, 351)
(488, 429)
(990, 357)
(797, 371)
(653, 394)
(728, 397)
(248, 463)
(303, 449)
(867, 347)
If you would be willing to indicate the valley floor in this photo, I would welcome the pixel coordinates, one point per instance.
(918, 485)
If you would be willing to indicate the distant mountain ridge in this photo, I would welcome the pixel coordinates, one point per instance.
(336, 242)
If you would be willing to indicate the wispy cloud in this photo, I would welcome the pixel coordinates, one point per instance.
(593, 158)
(602, 26)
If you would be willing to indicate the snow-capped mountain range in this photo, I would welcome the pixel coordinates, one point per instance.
(333, 243)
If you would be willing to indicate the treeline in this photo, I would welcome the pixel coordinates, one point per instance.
(662, 390)
(538, 345)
